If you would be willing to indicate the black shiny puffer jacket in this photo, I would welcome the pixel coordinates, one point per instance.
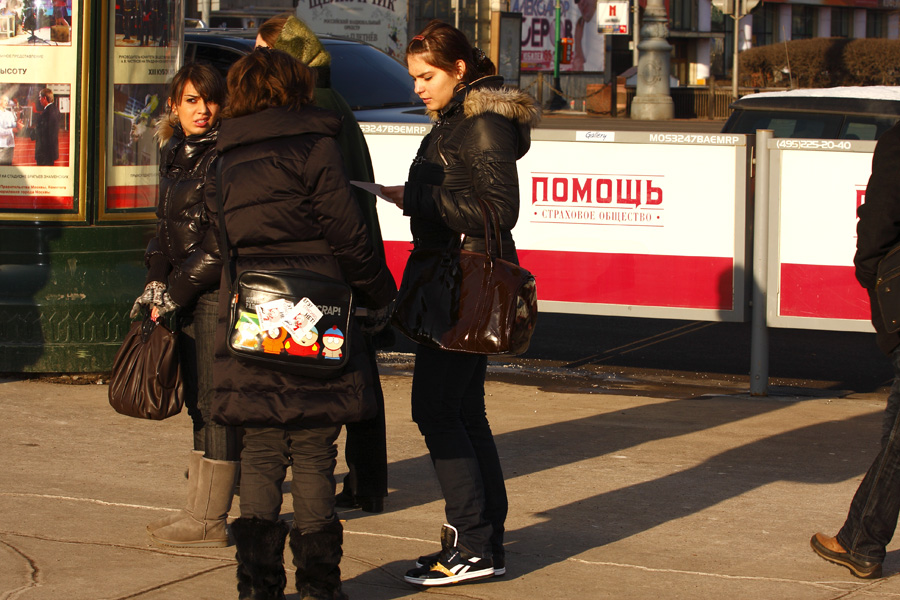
(470, 153)
(186, 164)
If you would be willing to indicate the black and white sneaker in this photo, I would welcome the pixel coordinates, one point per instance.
(454, 565)
(429, 560)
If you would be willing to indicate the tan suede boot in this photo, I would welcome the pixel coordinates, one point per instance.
(205, 527)
(193, 467)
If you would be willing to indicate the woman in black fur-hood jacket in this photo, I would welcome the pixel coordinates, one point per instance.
(182, 277)
(481, 129)
(185, 164)
(471, 152)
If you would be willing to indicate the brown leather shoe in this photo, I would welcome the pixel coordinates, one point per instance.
(831, 550)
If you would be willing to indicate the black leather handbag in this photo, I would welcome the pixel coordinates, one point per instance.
(467, 301)
(295, 321)
(146, 374)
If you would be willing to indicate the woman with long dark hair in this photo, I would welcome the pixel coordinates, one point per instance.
(481, 129)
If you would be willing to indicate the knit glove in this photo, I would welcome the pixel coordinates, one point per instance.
(154, 294)
(168, 305)
(376, 319)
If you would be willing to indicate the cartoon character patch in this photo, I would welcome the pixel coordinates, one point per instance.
(246, 332)
(273, 341)
(333, 340)
(306, 346)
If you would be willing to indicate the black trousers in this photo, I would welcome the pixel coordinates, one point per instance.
(366, 447)
(311, 454)
(872, 518)
(196, 347)
(448, 406)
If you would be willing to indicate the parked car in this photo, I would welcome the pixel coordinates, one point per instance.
(848, 113)
(377, 87)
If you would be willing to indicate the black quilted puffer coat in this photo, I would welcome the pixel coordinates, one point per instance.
(186, 163)
(283, 187)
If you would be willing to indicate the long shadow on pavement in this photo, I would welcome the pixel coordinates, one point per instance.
(802, 455)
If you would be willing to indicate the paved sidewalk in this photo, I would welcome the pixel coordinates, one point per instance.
(611, 496)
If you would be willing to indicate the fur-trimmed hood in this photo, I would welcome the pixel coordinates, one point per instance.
(488, 94)
(165, 129)
(181, 152)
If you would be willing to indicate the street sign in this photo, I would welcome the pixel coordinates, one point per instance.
(612, 17)
(727, 6)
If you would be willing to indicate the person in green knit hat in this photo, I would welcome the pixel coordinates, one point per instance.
(365, 485)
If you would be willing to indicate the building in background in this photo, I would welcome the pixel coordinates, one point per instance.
(701, 32)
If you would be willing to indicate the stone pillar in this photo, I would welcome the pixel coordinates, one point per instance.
(652, 100)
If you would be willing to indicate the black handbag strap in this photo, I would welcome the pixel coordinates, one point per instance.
(491, 224)
(308, 247)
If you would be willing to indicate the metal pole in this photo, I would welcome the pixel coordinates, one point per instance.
(737, 33)
(205, 12)
(759, 333)
(556, 99)
(636, 32)
(558, 12)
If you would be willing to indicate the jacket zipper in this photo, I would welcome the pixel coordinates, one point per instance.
(437, 143)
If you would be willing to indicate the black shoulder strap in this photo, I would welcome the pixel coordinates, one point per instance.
(224, 250)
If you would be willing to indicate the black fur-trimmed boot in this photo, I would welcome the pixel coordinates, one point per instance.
(260, 558)
(317, 557)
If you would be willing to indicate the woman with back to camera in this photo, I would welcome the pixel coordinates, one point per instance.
(182, 276)
(365, 485)
(481, 129)
(287, 204)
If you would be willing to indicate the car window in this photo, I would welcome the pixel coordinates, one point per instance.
(367, 78)
(865, 128)
(217, 56)
(789, 124)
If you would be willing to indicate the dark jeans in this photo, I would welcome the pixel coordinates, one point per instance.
(448, 407)
(873, 512)
(196, 345)
(366, 446)
(311, 454)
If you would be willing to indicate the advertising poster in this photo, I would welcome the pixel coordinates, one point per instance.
(381, 23)
(620, 222)
(577, 21)
(38, 102)
(816, 276)
(143, 57)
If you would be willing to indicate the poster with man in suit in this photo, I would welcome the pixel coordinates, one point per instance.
(46, 130)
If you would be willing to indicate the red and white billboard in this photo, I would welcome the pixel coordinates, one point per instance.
(815, 189)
